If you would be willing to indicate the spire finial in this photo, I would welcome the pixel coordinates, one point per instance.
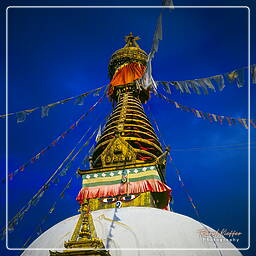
(131, 40)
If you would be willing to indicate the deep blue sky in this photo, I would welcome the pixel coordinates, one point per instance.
(58, 53)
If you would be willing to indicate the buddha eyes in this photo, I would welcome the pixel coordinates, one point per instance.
(124, 198)
(109, 200)
(127, 198)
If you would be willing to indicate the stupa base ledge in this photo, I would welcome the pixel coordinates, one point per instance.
(93, 252)
(87, 247)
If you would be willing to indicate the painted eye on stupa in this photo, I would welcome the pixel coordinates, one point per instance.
(108, 200)
(128, 198)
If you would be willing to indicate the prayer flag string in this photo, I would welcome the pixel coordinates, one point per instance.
(209, 116)
(38, 229)
(52, 144)
(191, 201)
(53, 179)
(182, 185)
(79, 100)
(203, 85)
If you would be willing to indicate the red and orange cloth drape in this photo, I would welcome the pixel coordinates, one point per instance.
(126, 74)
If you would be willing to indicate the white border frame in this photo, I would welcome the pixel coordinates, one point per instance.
(249, 129)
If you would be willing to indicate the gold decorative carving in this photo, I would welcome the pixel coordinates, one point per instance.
(118, 152)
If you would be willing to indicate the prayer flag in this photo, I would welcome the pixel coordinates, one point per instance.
(198, 114)
(220, 81)
(252, 123)
(232, 76)
(194, 86)
(168, 3)
(193, 110)
(166, 87)
(44, 111)
(63, 134)
(21, 169)
(214, 117)
(228, 119)
(54, 143)
(43, 151)
(52, 209)
(240, 78)
(175, 85)
(202, 114)
(180, 87)
(209, 84)
(233, 120)
(208, 116)
(56, 181)
(176, 104)
(240, 121)
(184, 84)
(98, 134)
(39, 232)
(220, 118)
(80, 100)
(10, 227)
(72, 126)
(157, 36)
(10, 175)
(147, 79)
(21, 116)
(96, 93)
(245, 123)
(253, 73)
(203, 86)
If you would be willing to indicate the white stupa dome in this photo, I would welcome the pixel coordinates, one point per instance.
(153, 231)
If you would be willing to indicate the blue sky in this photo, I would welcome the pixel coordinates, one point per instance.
(58, 53)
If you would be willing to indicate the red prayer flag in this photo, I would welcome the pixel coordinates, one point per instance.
(72, 126)
(220, 119)
(228, 119)
(21, 169)
(209, 117)
(54, 143)
(43, 151)
(63, 134)
(10, 175)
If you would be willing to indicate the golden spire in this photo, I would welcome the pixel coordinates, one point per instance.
(131, 40)
(131, 52)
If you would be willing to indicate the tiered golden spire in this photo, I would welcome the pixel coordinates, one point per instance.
(127, 165)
